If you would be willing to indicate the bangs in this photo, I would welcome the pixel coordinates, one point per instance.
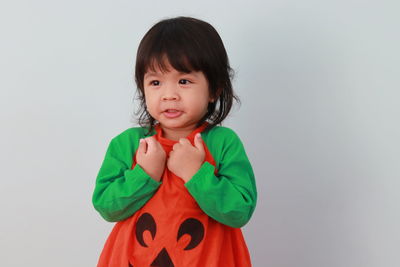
(160, 62)
(175, 43)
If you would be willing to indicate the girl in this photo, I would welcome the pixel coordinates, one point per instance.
(180, 186)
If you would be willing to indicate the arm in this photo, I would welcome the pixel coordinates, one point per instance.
(230, 196)
(121, 191)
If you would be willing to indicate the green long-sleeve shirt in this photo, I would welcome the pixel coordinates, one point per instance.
(228, 197)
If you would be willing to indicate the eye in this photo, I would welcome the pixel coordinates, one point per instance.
(185, 82)
(155, 83)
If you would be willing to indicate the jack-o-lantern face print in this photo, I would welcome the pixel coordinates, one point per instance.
(191, 227)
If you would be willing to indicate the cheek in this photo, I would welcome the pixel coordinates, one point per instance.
(151, 102)
(197, 99)
(151, 108)
(199, 105)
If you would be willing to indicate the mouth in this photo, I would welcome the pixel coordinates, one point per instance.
(172, 113)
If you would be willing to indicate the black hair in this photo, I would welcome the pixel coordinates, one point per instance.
(189, 44)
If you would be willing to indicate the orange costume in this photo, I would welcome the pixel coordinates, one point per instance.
(170, 228)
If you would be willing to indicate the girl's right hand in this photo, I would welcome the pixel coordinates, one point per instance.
(151, 157)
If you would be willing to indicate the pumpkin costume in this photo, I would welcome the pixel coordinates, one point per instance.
(173, 223)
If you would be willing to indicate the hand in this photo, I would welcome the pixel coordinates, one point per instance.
(184, 159)
(151, 157)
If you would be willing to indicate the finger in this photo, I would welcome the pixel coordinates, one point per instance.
(176, 145)
(142, 146)
(184, 141)
(151, 144)
(198, 142)
(159, 146)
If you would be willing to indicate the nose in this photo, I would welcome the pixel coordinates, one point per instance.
(170, 92)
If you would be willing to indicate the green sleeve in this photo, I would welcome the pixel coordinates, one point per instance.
(230, 196)
(120, 191)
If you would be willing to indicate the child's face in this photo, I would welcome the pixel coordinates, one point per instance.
(187, 93)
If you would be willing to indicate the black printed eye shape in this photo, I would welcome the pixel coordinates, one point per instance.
(190, 226)
(145, 222)
(195, 229)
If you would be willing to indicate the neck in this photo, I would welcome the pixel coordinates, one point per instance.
(176, 134)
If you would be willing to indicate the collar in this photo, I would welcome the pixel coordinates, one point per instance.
(165, 141)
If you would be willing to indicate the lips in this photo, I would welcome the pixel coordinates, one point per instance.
(172, 113)
(171, 110)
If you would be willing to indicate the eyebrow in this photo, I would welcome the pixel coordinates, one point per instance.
(150, 74)
(156, 74)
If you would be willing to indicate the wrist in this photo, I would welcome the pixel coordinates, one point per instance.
(190, 175)
(156, 177)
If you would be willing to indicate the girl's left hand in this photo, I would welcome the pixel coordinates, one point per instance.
(184, 159)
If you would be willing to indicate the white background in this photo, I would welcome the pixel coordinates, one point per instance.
(319, 84)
